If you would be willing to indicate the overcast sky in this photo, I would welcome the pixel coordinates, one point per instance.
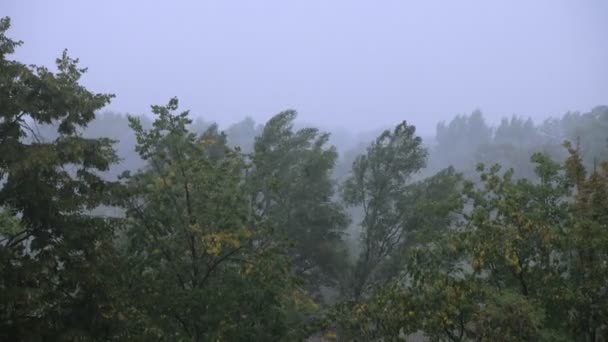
(360, 64)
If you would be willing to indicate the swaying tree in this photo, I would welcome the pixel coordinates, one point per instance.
(291, 189)
(378, 183)
(54, 254)
(200, 268)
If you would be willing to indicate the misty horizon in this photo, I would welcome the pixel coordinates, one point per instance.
(352, 65)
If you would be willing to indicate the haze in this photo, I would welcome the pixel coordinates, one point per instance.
(348, 170)
(352, 64)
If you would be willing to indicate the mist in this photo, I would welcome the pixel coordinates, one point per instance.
(351, 64)
(304, 171)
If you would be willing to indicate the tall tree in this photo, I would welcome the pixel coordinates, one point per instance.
(200, 269)
(378, 183)
(54, 254)
(292, 190)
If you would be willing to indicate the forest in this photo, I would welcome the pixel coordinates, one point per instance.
(166, 227)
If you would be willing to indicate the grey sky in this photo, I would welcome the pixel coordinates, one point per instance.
(362, 64)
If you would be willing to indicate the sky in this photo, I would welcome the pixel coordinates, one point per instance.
(340, 63)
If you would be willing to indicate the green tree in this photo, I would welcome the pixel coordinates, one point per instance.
(200, 268)
(54, 255)
(378, 183)
(292, 190)
(390, 311)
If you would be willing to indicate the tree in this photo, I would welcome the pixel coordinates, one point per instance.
(378, 183)
(292, 190)
(200, 268)
(54, 255)
(390, 310)
(585, 247)
(429, 208)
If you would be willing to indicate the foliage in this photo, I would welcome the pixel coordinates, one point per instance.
(378, 183)
(527, 262)
(291, 189)
(54, 256)
(199, 267)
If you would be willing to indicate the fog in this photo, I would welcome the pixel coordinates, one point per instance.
(359, 65)
(304, 170)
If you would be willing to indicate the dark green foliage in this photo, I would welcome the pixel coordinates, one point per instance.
(52, 251)
(378, 183)
(525, 261)
(291, 189)
(199, 267)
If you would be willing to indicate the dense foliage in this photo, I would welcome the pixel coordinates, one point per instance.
(522, 260)
(162, 228)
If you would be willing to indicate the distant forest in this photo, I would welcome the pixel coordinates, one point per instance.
(166, 227)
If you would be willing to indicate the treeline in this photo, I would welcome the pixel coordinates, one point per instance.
(183, 232)
(468, 140)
